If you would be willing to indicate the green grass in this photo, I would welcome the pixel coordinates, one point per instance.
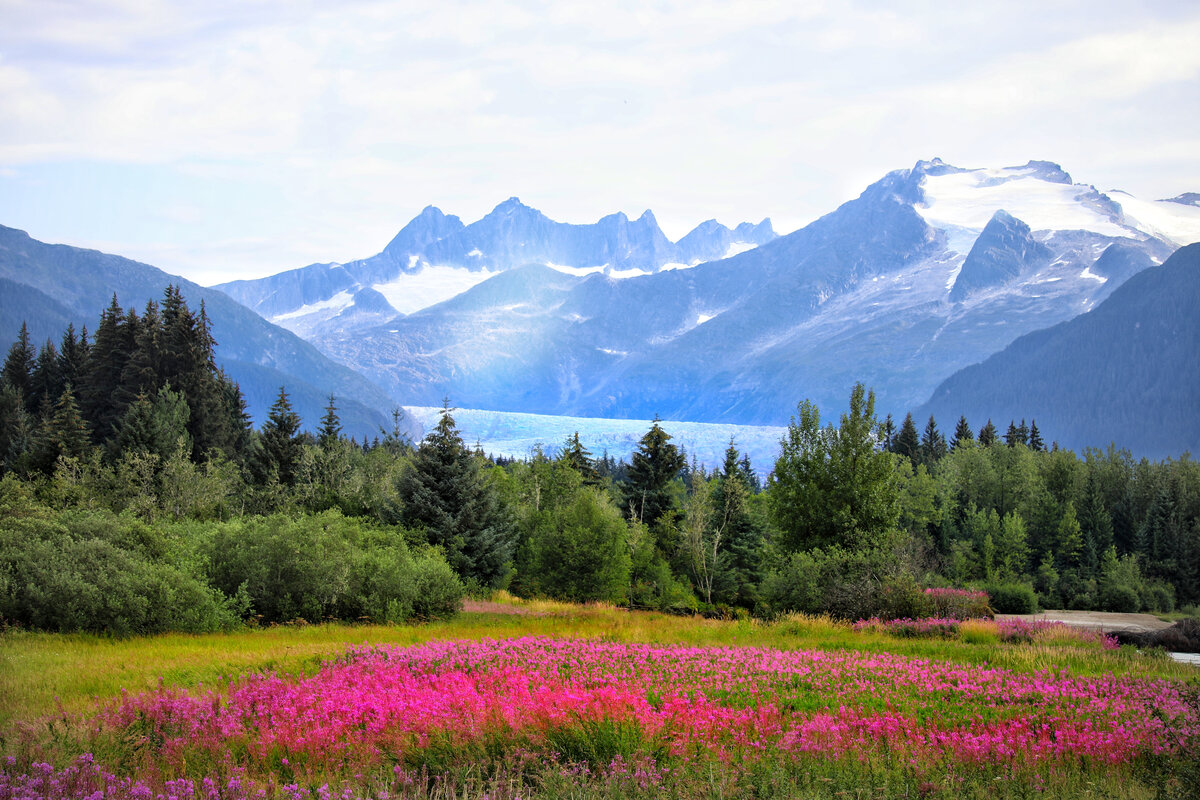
(40, 673)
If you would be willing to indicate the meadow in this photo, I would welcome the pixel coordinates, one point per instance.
(594, 701)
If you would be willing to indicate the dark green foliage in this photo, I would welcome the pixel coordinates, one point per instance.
(908, 444)
(1012, 598)
(331, 427)
(64, 434)
(579, 458)
(157, 427)
(18, 366)
(96, 572)
(987, 434)
(743, 542)
(1035, 438)
(326, 566)
(842, 583)
(578, 551)
(933, 443)
(962, 433)
(655, 464)
(832, 486)
(445, 496)
(279, 446)
(1120, 598)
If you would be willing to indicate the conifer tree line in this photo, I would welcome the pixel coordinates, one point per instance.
(130, 454)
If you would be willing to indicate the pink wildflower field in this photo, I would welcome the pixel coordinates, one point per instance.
(589, 705)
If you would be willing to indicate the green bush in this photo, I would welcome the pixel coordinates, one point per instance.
(326, 566)
(1118, 597)
(1013, 598)
(92, 585)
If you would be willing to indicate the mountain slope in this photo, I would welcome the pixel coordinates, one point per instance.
(866, 293)
(74, 285)
(1128, 371)
(435, 257)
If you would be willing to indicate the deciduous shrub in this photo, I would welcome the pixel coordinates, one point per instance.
(1013, 598)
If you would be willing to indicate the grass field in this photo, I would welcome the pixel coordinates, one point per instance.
(592, 702)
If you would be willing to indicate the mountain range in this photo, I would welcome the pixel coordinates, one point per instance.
(930, 270)
(435, 257)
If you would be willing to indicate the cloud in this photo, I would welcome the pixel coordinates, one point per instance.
(354, 117)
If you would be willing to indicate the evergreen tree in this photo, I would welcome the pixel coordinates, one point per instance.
(237, 417)
(933, 443)
(743, 542)
(887, 434)
(580, 459)
(445, 495)
(106, 361)
(279, 444)
(833, 486)
(157, 427)
(1011, 436)
(1035, 438)
(17, 432)
(72, 356)
(962, 433)
(908, 444)
(987, 434)
(1095, 523)
(46, 382)
(63, 434)
(18, 367)
(143, 373)
(396, 441)
(655, 464)
(331, 426)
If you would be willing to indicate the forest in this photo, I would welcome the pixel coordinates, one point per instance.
(137, 497)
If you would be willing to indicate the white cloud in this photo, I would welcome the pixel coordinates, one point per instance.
(351, 118)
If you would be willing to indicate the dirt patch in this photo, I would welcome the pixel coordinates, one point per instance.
(487, 607)
(1097, 620)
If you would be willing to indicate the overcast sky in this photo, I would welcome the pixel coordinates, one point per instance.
(232, 139)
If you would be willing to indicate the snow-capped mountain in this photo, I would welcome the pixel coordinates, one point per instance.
(930, 270)
(1125, 372)
(436, 257)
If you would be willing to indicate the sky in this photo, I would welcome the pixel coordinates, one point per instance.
(226, 139)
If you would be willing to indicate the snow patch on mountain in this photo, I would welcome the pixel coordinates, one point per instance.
(335, 303)
(738, 247)
(1171, 220)
(410, 292)
(969, 199)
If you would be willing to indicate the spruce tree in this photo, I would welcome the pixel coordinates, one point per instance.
(18, 367)
(72, 356)
(1035, 438)
(331, 426)
(579, 458)
(63, 434)
(908, 444)
(933, 443)
(887, 434)
(655, 464)
(743, 542)
(445, 495)
(987, 434)
(46, 383)
(279, 444)
(106, 361)
(962, 433)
